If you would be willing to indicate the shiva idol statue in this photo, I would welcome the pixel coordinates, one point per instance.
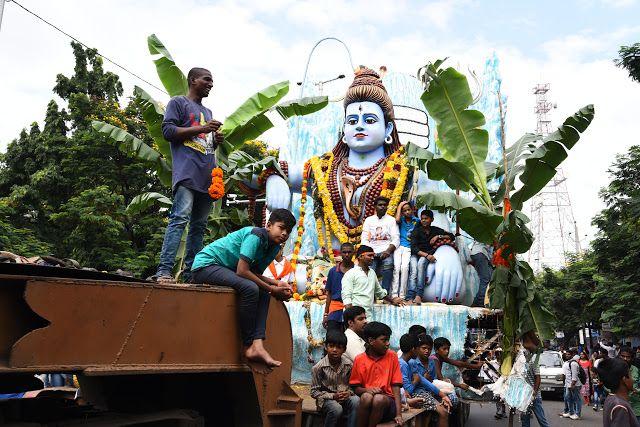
(367, 161)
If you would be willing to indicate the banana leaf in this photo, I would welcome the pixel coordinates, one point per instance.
(490, 169)
(461, 138)
(533, 315)
(255, 105)
(301, 107)
(516, 153)
(455, 174)
(153, 115)
(143, 201)
(418, 157)
(170, 75)
(250, 121)
(541, 165)
(478, 221)
(498, 287)
(513, 232)
(130, 144)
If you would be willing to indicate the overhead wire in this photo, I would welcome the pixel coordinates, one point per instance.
(87, 47)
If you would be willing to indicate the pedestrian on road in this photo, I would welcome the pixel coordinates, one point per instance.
(572, 384)
(585, 365)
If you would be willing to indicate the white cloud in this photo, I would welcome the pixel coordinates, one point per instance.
(439, 13)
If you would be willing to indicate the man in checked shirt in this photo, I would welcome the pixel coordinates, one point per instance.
(330, 382)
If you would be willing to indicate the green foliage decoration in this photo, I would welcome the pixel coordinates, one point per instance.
(463, 166)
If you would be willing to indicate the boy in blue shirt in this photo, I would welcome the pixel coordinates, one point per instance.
(333, 307)
(402, 255)
(238, 261)
(417, 385)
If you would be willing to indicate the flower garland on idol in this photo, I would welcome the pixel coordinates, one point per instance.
(394, 179)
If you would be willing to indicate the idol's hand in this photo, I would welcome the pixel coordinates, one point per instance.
(447, 276)
(278, 193)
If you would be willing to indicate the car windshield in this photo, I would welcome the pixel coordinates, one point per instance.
(550, 360)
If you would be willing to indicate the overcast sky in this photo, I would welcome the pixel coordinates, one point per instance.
(249, 45)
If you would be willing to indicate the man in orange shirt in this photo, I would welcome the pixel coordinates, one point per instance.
(376, 378)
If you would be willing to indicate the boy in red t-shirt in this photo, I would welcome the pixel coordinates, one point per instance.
(376, 378)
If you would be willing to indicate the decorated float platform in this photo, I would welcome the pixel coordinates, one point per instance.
(440, 320)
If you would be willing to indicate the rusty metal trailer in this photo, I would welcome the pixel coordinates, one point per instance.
(139, 350)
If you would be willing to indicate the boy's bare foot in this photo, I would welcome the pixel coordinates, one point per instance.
(257, 353)
(259, 367)
(417, 300)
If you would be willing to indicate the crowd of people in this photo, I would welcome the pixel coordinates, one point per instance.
(608, 379)
(361, 379)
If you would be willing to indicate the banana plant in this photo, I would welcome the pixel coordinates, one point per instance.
(250, 120)
(493, 218)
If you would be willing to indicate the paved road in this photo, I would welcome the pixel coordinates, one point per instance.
(483, 416)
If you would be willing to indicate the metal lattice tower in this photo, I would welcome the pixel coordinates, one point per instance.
(552, 222)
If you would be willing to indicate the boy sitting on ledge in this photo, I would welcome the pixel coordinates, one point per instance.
(238, 261)
(330, 382)
(377, 379)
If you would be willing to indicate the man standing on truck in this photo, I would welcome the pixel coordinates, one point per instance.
(194, 136)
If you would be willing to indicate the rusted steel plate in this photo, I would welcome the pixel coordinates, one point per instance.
(101, 324)
(114, 328)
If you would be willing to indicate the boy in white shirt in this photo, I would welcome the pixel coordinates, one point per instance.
(380, 232)
(280, 269)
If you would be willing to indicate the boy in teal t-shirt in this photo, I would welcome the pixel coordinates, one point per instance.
(237, 261)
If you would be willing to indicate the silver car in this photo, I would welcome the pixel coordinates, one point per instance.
(551, 376)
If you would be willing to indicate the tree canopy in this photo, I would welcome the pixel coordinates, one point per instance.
(630, 60)
(64, 189)
(603, 285)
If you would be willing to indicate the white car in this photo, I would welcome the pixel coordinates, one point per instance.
(551, 376)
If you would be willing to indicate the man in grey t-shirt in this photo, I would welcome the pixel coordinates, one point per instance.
(193, 135)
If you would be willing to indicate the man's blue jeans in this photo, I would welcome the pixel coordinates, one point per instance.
(334, 410)
(384, 268)
(253, 304)
(572, 401)
(190, 207)
(417, 276)
(483, 267)
(538, 411)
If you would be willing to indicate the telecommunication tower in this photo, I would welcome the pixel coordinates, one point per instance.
(552, 222)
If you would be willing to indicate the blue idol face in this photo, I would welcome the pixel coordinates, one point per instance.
(364, 127)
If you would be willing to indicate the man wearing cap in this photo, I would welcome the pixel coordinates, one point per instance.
(360, 285)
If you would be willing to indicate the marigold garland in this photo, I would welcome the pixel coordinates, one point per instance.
(216, 189)
(303, 200)
(394, 181)
(328, 239)
(321, 235)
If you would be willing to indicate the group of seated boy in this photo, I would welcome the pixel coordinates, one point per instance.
(361, 379)
(403, 246)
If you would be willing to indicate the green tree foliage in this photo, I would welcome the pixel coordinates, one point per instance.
(630, 60)
(569, 293)
(603, 285)
(617, 248)
(48, 178)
